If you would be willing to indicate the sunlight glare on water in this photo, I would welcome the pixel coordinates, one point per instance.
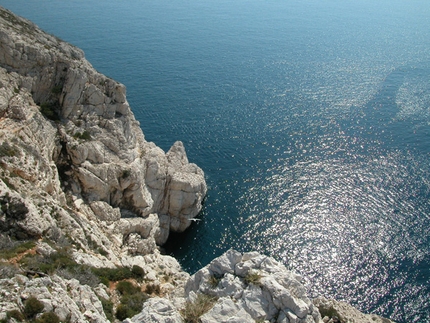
(310, 119)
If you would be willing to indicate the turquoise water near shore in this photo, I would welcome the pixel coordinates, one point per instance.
(311, 120)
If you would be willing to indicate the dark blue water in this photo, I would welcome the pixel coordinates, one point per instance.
(311, 120)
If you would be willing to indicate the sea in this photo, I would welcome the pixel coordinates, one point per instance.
(310, 119)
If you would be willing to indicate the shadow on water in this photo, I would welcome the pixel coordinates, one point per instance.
(379, 121)
(384, 129)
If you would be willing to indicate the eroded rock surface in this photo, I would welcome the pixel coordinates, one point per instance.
(251, 287)
(69, 140)
(334, 311)
(68, 299)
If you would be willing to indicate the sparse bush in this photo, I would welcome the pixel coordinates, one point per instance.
(107, 308)
(123, 312)
(253, 277)
(82, 135)
(113, 274)
(49, 317)
(214, 281)
(137, 272)
(82, 273)
(32, 307)
(8, 270)
(15, 314)
(127, 288)
(50, 264)
(133, 303)
(16, 248)
(49, 111)
(152, 289)
(194, 310)
(328, 311)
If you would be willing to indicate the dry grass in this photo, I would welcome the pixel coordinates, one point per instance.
(194, 310)
(253, 277)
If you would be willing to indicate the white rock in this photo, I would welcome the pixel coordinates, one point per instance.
(225, 263)
(225, 310)
(346, 312)
(265, 299)
(105, 212)
(158, 310)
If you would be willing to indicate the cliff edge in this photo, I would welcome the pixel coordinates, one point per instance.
(70, 141)
(86, 201)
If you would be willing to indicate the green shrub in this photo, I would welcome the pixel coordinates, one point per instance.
(105, 281)
(49, 317)
(113, 274)
(107, 308)
(194, 310)
(82, 135)
(49, 111)
(133, 303)
(127, 288)
(123, 312)
(137, 272)
(16, 249)
(32, 307)
(15, 314)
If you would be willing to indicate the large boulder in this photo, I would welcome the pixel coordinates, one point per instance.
(334, 311)
(158, 310)
(253, 284)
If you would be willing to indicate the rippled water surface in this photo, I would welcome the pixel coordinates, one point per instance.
(311, 120)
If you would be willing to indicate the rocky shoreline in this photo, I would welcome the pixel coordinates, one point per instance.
(86, 202)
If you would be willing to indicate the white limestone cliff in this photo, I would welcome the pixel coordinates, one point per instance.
(68, 131)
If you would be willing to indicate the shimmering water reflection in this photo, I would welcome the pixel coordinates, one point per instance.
(310, 119)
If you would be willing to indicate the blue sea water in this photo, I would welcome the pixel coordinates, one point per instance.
(311, 120)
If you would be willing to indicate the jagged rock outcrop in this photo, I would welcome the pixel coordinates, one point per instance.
(68, 299)
(251, 287)
(343, 312)
(75, 169)
(69, 140)
(158, 310)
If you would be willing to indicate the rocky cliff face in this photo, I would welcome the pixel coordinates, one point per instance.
(86, 200)
(69, 141)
